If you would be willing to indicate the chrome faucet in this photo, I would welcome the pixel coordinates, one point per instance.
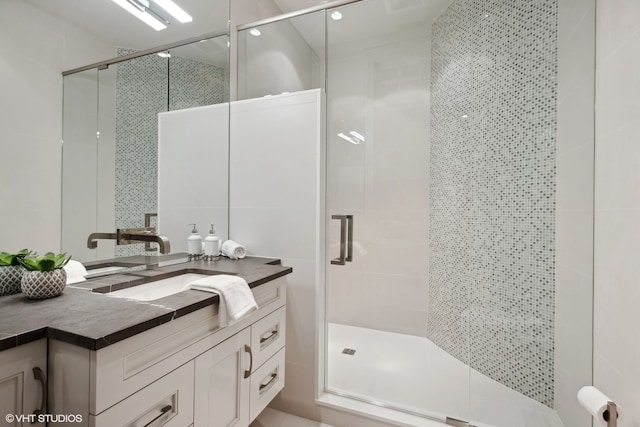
(128, 236)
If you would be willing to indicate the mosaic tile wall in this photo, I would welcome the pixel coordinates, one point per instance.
(492, 195)
(141, 93)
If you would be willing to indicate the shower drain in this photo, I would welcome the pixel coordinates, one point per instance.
(349, 351)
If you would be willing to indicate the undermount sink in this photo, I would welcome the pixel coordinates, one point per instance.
(158, 288)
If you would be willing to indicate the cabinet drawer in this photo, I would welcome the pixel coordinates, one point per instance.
(166, 402)
(266, 382)
(129, 365)
(268, 336)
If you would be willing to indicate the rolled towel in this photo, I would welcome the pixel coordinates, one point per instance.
(76, 272)
(233, 250)
(236, 299)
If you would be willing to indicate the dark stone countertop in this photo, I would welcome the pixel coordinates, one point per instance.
(83, 316)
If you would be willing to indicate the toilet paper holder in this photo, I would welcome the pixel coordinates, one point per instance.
(611, 414)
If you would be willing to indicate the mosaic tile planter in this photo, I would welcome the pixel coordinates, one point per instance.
(43, 284)
(10, 277)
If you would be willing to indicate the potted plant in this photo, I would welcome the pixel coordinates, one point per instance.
(45, 277)
(11, 271)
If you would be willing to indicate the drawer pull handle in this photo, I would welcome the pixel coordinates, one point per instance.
(163, 411)
(271, 380)
(247, 373)
(273, 333)
(40, 376)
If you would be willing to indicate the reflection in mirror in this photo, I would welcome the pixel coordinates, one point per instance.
(112, 23)
(110, 151)
(282, 56)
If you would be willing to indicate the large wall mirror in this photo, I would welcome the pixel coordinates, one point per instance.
(113, 116)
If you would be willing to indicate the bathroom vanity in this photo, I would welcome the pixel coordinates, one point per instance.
(115, 361)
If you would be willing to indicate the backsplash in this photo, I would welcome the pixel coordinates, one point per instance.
(146, 86)
(493, 188)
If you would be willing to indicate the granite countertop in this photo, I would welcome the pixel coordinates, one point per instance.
(84, 316)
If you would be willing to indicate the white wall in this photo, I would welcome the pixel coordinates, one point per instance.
(277, 61)
(379, 87)
(617, 206)
(276, 210)
(35, 49)
(193, 172)
(574, 208)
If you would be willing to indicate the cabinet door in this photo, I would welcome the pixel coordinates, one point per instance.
(221, 389)
(23, 383)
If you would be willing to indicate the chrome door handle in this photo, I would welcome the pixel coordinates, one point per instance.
(273, 333)
(346, 239)
(39, 375)
(272, 378)
(247, 349)
(163, 411)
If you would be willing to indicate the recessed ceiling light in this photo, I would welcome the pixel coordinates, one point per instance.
(164, 54)
(255, 32)
(336, 15)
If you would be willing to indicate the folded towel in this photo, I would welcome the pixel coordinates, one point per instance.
(236, 299)
(75, 272)
(233, 250)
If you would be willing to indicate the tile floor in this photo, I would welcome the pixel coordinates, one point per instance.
(272, 418)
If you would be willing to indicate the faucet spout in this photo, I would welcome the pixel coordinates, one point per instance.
(128, 236)
(92, 240)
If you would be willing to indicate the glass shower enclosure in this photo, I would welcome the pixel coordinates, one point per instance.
(450, 193)
(454, 287)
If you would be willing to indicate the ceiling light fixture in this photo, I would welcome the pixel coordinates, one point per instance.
(336, 15)
(255, 32)
(164, 54)
(141, 11)
(357, 135)
(354, 141)
(174, 10)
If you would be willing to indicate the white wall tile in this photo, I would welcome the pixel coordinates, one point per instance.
(617, 233)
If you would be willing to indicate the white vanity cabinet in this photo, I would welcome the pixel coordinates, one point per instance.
(23, 372)
(235, 380)
(221, 389)
(187, 371)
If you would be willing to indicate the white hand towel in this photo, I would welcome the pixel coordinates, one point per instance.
(76, 272)
(233, 250)
(236, 299)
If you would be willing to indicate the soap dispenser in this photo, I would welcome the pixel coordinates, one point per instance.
(194, 243)
(211, 246)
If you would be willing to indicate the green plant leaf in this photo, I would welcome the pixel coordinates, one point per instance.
(7, 258)
(46, 262)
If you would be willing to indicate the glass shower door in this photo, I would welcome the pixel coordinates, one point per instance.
(378, 100)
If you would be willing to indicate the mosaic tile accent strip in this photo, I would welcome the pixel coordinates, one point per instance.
(492, 193)
(146, 86)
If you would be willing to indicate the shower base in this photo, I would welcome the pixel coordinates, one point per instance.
(414, 375)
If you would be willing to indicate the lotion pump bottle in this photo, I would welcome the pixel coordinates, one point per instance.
(211, 245)
(194, 244)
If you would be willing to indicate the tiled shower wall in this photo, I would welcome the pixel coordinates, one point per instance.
(146, 86)
(493, 186)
